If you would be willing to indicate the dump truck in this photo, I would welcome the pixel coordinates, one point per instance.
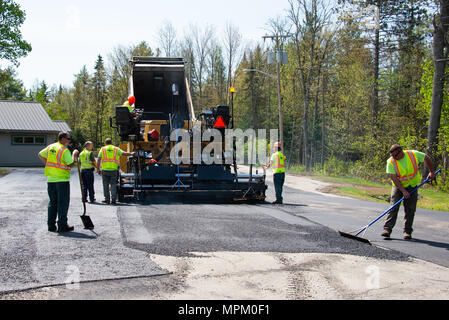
(162, 123)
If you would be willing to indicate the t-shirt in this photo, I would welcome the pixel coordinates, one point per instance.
(67, 159)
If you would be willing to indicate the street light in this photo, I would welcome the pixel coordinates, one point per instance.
(278, 79)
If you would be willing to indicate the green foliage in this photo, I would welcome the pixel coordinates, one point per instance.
(41, 94)
(334, 167)
(12, 46)
(298, 169)
(11, 88)
(88, 105)
(332, 124)
(78, 139)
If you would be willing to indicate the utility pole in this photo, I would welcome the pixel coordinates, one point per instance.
(279, 55)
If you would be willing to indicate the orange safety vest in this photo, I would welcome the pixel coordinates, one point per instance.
(278, 165)
(406, 177)
(109, 163)
(54, 166)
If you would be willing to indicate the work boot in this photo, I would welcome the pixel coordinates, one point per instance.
(67, 228)
(386, 233)
(407, 236)
(106, 201)
(277, 202)
(52, 229)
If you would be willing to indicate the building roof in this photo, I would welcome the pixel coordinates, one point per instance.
(27, 116)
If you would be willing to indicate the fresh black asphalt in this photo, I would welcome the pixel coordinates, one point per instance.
(126, 235)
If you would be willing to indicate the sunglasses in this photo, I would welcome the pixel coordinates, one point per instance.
(395, 152)
(70, 139)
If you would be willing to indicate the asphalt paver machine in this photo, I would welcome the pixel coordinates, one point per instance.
(170, 156)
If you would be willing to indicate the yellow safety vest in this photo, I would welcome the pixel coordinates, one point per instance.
(277, 162)
(55, 167)
(409, 176)
(110, 158)
(86, 163)
(130, 108)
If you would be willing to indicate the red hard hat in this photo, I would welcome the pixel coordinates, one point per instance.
(131, 100)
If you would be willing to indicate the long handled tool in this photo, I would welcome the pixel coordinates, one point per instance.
(87, 222)
(357, 232)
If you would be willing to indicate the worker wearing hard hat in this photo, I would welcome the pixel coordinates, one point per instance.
(129, 103)
(277, 163)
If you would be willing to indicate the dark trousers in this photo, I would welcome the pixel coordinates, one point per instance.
(87, 177)
(58, 206)
(409, 208)
(279, 179)
(110, 179)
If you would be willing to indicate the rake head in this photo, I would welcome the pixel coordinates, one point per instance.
(353, 237)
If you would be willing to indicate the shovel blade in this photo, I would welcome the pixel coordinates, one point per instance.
(87, 222)
(351, 236)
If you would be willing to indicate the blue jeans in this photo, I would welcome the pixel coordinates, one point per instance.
(87, 177)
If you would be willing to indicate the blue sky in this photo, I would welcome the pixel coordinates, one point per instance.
(65, 35)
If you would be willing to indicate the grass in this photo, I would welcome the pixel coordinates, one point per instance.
(429, 197)
(434, 200)
(4, 172)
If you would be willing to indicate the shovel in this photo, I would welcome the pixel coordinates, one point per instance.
(350, 234)
(87, 222)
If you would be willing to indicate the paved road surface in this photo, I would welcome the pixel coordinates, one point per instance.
(431, 238)
(153, 251)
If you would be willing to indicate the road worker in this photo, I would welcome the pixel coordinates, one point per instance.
(129, 103)
(88, 164)
(108, 166)
(58, 162)
(403, 170)
(277, 163)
